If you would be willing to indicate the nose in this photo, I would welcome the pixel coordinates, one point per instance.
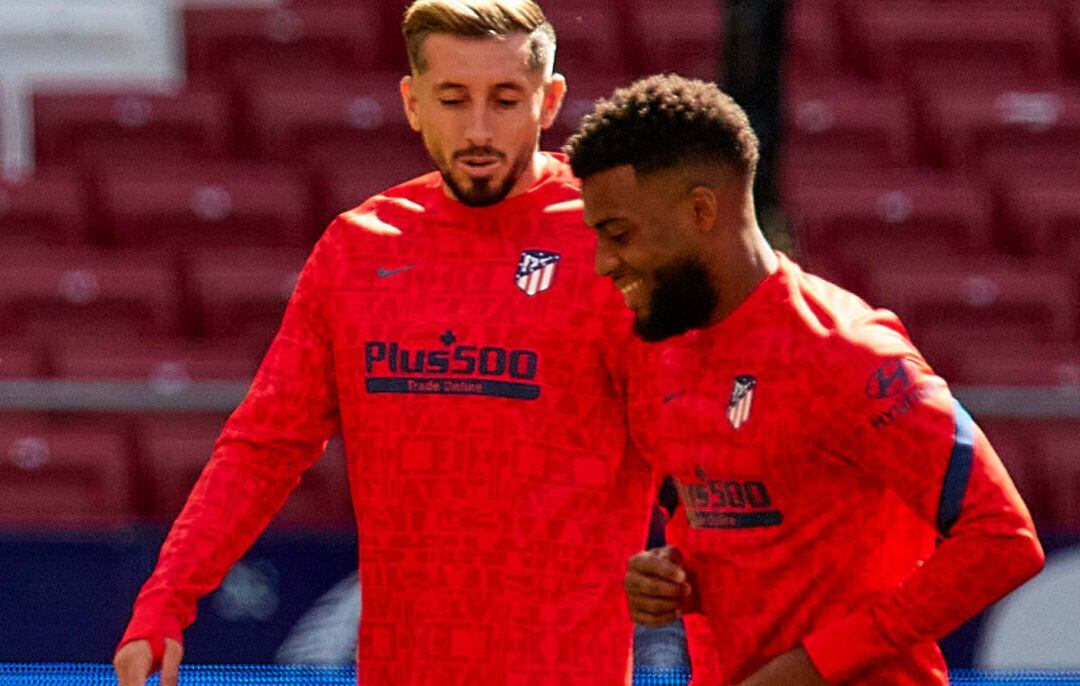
(479, 132)
(605, 261)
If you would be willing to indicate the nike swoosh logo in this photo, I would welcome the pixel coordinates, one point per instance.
(384, 272)
(671, 396)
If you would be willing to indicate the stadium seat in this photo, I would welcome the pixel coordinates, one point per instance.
(996, 363)
(242, 293)
(1059, 445)
(101, 126)
(20, 361)
(855, 221)
(581, 95)
(591, 40)
(685, 39)
(1040, 213)
(47, 292)
(360, 120)
(838, 127)
(168, 364)
(962, 126)
(175, 450)
(980, 300)
(1015, 441)
(919, 42)
(48, 208)
(203, 204)
(813, 42)
(343, 186)
(1072, 37)
(51, 475)
(232, 43)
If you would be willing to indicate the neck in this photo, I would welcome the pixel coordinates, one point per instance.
(739, 268)
(529, 177)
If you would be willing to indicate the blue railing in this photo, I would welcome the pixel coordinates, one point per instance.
(82, 674)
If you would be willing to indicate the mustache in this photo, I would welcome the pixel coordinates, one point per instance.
(480, 151)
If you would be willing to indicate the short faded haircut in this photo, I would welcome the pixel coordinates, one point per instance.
(478, 19)
(661, 122)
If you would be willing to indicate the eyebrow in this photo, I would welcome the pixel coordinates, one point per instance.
(600, 225)
(502, 85)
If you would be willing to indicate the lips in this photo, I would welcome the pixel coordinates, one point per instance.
(479, 166)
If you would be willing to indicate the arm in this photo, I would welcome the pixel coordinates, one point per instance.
(277, 432)
(941, 464)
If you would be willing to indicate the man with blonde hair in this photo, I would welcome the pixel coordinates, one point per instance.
(451, 327)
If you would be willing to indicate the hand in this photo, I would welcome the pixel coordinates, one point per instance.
(793, 668)
(658, 587)
(134, 663)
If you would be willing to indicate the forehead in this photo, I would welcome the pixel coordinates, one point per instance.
(610, 194)
(476, 62)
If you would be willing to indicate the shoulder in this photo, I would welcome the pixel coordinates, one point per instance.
(390, 212)
(846, 337)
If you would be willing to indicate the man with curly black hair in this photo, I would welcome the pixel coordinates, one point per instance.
(840, 511)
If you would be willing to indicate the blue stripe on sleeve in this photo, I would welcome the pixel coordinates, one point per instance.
(958, 472)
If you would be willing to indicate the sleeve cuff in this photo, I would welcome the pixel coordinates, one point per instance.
(155, 629)
(841, 650)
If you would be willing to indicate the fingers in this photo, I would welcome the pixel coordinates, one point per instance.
(132, 663)
(170, 662)
(661, 563)
(657, 586)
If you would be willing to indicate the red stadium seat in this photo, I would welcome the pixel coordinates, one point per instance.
(346, 185)
(21, 361)
(168, 364)
(139, 124)
(987, 42)
(685, 38)
(49, 292)
(46, 209)
(237, 42)
(54, 476)
(1072, 36)
(1040, 212)
(217, 204)
(964, 126)
(1000, 300)
(581, 95)
(1016, 443)
(175, 450)
(851, 221)
(996, 363)
(590, 40)
(361, 121)
(848, 127)
(1059, 447)
(814, 40)
(242, 293)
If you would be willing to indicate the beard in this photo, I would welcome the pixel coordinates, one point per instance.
(481, 192)
(684, 298)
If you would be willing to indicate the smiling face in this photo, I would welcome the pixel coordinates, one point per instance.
(480, 108)
(649, 241)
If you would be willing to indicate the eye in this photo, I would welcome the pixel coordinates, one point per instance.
(451, 102)
(506, 104)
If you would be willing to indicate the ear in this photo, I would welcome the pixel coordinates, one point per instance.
(554, 94)
(704, 208)
(408, 101)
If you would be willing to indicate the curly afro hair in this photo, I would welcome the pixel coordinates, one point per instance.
(660, 122)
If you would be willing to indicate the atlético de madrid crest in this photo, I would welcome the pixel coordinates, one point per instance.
(536, 271)
(742, 397)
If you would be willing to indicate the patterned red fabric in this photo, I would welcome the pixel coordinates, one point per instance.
(496, 498)
(833, 494)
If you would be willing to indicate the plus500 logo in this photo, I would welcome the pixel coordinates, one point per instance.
(382, 357)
